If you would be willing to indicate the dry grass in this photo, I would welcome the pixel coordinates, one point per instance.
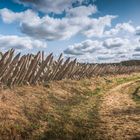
(61, 110)
(119, 114)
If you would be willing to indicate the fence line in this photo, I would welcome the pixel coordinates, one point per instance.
(36, 69)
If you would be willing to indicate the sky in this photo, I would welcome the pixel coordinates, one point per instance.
(93, 31)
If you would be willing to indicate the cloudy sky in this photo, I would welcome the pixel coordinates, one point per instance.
(90, 30)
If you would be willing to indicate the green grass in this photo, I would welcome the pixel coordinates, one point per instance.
(134, 91)
(127, 79)
(136, 95)
(77, 117)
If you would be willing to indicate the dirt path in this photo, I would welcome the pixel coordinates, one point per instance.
(120, 118)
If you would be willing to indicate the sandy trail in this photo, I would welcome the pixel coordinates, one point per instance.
(120, 117)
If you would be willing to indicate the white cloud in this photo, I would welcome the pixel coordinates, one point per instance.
(87, 46)
(9, 16)
(138, 30)
(102, 51)
(48, 6)
(96, 27)
(114, 42)
(136, 56)
(137, 49)
(125, 26)
(82, 11)
(105, 58)
(50, 28)
(17, 42)
(121, 27)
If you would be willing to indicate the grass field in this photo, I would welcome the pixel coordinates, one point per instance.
(64, 110)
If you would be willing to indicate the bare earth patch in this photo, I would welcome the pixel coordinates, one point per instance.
(120, 116)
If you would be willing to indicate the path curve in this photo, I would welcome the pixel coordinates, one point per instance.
(120, 118)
